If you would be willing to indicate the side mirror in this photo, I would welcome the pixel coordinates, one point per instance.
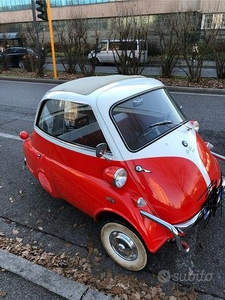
(100, 149)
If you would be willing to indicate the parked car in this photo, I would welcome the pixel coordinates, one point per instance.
(110, 51)
(121, 150)
(15, 56)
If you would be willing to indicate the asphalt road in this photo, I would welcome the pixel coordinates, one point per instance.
(208, 69)
(29, 213)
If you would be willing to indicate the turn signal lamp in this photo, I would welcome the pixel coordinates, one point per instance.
(195, 125)
(138, 201)
(24, 135)
(209, 145)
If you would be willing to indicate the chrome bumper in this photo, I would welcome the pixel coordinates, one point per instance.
(183, 228)
(218, 156)
(182, 246)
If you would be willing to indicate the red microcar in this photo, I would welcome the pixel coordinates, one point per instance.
(121, 150)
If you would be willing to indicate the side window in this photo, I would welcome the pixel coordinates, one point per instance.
(115, 46)
(103, 46)
(71, 122)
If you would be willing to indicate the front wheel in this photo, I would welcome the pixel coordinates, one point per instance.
(124, 246)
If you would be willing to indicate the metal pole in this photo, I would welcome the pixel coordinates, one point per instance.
(35, 24)
(51, 38)
(38, 49)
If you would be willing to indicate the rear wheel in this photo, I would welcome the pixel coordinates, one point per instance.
(124, 246)
(21, 64)
(95, 61)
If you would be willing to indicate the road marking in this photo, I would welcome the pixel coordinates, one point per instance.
(10, 136)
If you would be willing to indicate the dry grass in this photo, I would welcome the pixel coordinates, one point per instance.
(211, 83)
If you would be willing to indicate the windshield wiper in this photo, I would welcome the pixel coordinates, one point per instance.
(160, 123)
(149, 129)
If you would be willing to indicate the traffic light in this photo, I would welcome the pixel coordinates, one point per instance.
(42, 8)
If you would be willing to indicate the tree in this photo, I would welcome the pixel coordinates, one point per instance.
(193, 37)
(66, 43)
(128, 27)
(190, 26)
(219, 56)
(35, 63)
(72, 37)
(166, 27)
(4, 62)
(213, 26)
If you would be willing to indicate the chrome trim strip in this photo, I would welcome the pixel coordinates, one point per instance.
(221, 157)
(223, 184)
(181, 246)
(190, 223)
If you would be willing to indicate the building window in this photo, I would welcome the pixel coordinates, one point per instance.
(208, 21)
(9, 5)
(223, 21)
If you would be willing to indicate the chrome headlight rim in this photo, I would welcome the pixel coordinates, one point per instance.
(120, 178)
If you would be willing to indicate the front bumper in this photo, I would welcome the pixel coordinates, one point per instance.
(214, 200)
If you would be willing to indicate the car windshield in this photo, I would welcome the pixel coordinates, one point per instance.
(147, 117)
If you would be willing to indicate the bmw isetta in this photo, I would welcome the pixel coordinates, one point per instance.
(121, 150)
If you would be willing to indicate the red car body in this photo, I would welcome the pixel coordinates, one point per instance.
(119, 149)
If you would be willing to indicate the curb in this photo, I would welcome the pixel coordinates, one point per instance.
(38, 80)
(47, 279)
(207, 91)
(170, 88)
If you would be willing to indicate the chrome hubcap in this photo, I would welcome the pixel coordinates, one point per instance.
(123, 245)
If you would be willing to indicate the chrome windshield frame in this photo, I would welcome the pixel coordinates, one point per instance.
(147, 117)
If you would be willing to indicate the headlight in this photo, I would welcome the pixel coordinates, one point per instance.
(195, 125)
(116, 176)
(120, 178)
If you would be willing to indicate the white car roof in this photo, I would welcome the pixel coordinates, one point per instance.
(88, 85)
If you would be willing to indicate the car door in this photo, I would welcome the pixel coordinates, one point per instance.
(103, 52)
(114, 50)
(7, 54)
(13, 57)
(19, 56)
(73, 134)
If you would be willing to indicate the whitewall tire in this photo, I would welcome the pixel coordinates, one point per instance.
(124, 246)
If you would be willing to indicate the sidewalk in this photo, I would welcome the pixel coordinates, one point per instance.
(21, 279)
(24, 278)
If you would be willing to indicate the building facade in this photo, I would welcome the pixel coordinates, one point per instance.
(101, 14)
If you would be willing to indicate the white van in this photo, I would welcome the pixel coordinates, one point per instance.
(109, 51)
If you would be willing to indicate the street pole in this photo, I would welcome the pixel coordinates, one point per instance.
(38, 49)
(35, 25)
(51, 38)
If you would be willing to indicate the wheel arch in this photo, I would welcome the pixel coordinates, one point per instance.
(152, 238)
(107, 216)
